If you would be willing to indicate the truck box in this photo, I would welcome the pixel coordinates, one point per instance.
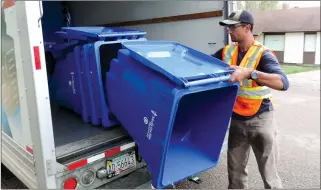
(48, 146)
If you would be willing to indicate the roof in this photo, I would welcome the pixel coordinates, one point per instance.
(287, 20)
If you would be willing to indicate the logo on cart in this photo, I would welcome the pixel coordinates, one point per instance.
(150, 124)
(72, 83)
(146, 120)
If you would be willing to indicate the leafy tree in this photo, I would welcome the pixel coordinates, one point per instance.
(257, 5)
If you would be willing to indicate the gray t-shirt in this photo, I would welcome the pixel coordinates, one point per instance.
(268, 64)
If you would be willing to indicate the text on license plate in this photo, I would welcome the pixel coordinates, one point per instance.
(121, 164)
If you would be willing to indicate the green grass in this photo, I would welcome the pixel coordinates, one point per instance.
(290, 69)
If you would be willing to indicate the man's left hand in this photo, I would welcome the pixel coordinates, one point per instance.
(240, 73)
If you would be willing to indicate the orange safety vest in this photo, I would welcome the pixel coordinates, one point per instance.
(250, 94)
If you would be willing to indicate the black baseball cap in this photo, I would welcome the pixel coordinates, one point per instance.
(238, 17)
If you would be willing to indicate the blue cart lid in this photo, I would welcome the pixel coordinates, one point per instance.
(181, 64)
(99, 33)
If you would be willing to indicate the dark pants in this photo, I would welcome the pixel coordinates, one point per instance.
(260, 133)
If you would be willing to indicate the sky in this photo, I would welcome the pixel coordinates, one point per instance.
(301, 4)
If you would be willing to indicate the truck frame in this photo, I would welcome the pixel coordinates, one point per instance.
(48, 152)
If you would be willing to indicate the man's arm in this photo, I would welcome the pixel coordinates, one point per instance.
(218, 54)
(270, 66)
(270, 73)
(273, 81)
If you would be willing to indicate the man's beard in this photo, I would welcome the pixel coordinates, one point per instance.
(233, 39)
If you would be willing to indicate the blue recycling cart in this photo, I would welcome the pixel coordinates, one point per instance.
(51, 21)
(176, 104)
(77, 82)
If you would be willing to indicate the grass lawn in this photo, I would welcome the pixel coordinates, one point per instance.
(290, 69)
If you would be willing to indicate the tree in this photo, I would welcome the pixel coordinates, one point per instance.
(257, 5)
(268, 5)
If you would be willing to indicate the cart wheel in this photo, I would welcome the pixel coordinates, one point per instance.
(196, 180)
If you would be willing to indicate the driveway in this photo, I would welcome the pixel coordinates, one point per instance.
(298, 118)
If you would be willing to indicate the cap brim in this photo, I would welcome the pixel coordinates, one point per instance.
(228, 22)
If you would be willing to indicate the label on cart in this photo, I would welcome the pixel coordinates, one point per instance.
(120, 164)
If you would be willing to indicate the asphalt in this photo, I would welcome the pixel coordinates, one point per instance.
(298, 119)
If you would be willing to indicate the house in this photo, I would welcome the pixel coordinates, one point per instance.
(294, 34)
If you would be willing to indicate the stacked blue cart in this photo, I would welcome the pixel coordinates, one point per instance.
(77, 80)
(176, 104)
(174, 101)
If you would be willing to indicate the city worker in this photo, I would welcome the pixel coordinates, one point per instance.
(253, 123)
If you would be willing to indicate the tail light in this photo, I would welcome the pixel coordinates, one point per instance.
(70, 183)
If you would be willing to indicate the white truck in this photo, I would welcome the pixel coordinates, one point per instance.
(49, 147)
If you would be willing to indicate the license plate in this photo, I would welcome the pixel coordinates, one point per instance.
(120, 164)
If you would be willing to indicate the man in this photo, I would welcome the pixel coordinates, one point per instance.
(252, 124)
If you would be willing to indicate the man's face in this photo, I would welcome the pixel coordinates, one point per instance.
(238, 32)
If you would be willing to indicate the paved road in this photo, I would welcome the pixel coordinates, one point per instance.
(298, 118)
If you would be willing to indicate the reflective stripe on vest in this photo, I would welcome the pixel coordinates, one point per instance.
(252, 60)
(250, 95)
(228, 53)
(257, 93)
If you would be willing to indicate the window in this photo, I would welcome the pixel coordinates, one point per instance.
(275, 42)
(310, 42)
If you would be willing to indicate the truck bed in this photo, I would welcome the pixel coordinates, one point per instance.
(74, 138)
